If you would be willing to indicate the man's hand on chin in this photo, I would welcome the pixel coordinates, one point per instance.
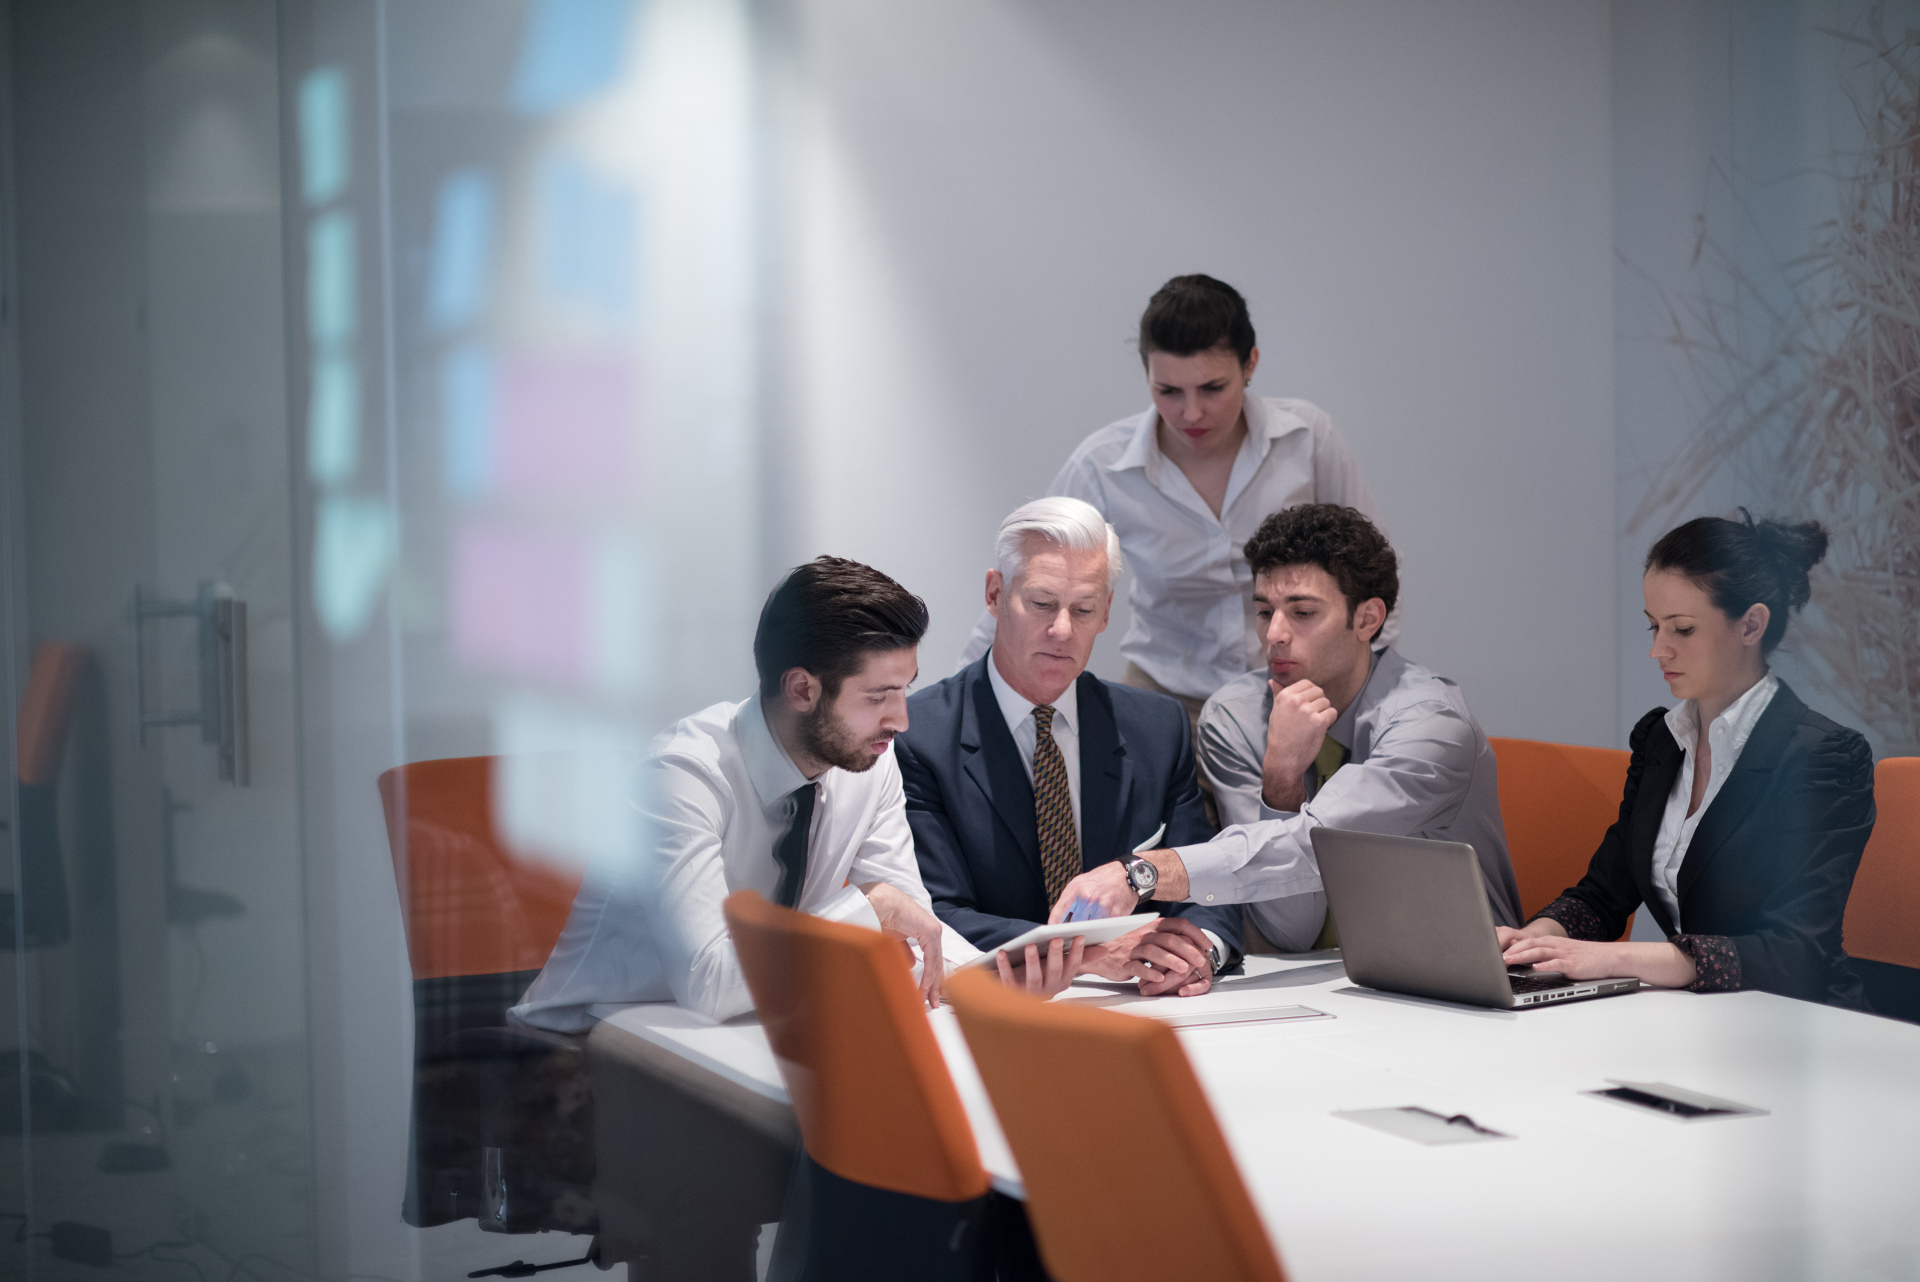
(901, 915)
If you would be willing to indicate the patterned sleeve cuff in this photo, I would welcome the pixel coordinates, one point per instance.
(1716, 962)
(1580, 921)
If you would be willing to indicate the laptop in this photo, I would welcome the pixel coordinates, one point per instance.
(1413, 917)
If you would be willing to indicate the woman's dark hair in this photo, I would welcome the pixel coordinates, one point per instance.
(1337, 539)
(826, 616)
(1193, 314)
(1741, 563)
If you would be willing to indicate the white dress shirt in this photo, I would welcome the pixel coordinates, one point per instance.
(1726, 737)
(1018, 710)
(714, 793)
(1193, 627)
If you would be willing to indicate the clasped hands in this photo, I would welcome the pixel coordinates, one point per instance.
(1168, 956)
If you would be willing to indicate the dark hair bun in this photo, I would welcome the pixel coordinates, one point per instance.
(1794, 548)
(1740, 564)
(1192, 314)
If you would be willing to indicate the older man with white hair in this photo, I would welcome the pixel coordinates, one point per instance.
(1024, 770)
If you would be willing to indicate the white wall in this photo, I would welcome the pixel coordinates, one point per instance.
(1738, 142)
(1415, 198)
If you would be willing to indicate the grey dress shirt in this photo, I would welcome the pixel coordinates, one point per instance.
(1419, 767)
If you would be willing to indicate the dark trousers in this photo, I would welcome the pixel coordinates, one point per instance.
(836, 1230)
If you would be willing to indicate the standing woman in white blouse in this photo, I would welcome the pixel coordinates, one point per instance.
(1745, 812)
(1185, 482)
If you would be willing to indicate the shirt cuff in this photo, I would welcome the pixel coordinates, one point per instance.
(1220, 948)
(849, 904)
(1716, 962)
(1209, 879)
(1580, 921)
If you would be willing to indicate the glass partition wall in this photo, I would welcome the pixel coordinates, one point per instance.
(381, 385)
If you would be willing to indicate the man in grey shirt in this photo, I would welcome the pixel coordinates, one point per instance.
(1330, 735)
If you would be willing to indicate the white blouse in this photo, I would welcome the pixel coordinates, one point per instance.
(1193, 626)
(1725, 738)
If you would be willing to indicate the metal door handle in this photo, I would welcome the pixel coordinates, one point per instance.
(221, 633)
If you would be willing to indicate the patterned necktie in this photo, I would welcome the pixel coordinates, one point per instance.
(790, 852)
(1053, 808)
(1332, 756)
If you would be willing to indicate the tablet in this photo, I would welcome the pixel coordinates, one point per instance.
(1094, 932)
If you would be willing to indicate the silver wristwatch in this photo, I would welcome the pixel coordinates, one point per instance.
(1142, 876)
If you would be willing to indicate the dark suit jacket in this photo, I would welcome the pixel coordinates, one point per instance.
(971, 805)
(1772, 861)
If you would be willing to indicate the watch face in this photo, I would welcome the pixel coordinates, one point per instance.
(1143, 875)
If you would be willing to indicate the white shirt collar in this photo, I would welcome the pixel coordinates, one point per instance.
(769, 768)
(1741, 716)
(1016, 707)
(1265, 425)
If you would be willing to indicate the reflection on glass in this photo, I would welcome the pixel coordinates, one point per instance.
(323, 135)
(330, 278)
(469, 455)
(587, 236)
(573, 50)
(333, 420)
(352, 548)
(462, 249)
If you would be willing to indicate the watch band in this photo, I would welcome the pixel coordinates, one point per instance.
(1131, 864)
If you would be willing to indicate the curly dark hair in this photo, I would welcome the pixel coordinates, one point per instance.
(826, 616)
(1337, 539)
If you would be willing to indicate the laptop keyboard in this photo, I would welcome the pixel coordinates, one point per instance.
(1534, 983)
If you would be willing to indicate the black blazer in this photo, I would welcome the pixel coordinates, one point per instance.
(1772, 861)
(971, 805)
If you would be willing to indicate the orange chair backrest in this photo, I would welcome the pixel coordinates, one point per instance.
(1081, 1092)
(871, 1090)
(1883, 912)
(46, 710)
(472, 907)
(1557, 801)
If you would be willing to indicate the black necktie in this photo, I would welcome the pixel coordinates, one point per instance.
(790, 852)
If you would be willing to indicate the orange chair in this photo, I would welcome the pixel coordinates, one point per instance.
(876, 1106)
(1082, 1090)
(40, 745)
(502, 1123)
(1557, 801)
(471, 906)
(1883, 911)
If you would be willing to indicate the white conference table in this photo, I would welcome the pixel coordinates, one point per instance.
(1825, 1185)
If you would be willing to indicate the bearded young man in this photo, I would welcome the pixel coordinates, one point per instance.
(793, 793)
(1331, 733)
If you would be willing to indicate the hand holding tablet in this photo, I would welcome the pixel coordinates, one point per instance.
(1103, 931)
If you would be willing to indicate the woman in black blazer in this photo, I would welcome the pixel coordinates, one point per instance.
(1745, 812)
